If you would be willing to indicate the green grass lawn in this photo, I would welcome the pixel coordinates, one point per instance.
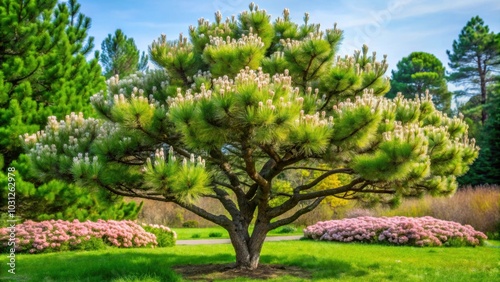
(326, 261)
(203, 233)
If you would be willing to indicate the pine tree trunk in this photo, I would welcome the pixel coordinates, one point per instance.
(248, 250)
(482, 81)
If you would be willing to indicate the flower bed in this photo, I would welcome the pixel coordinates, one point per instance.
(51, 236)
(399, 230)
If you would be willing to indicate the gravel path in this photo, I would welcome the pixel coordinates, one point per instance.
(227, 241)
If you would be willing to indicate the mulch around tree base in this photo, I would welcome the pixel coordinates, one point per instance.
(210, 272)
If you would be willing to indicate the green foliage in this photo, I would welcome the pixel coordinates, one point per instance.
(229, 57)
(196, 235)
(475, 59)
(215, 234)
(418, 73)
(190, 224)
(164, 238)
(213, 124)
(402, 143)
(185, 182)
(485, 169)
(46, 73)
(120, 55)
(68, 202)
(286, 229)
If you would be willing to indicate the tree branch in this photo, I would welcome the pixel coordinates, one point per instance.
(376, 191)
(228, 204)
(219, 159)
(322, 177)
(297, 197)
(221, 220)
(222, 184)
(296, 215)
(330, 192)
(270, 152)
(217, 219)
(306, 168)
(250, 167)
(284, 194)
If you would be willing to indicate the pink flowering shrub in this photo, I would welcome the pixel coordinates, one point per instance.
(398, 230)
(59, 235)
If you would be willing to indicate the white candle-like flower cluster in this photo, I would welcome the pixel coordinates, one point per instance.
(408, 132)
(122, 90)
(200, 75)
(189, 97)
(318, 119)
(65, 136)
(215, 29)
(368, 99)
(224, 84)
(44, 151)
(466, 142)
(194, 161)
(108, 129)
(114, 80)
(76, 124)
(85, 159)
(160, 157)
(289, 43)
(250, 39)
(179, 46)
(119, 99)
(418, 100)
(442, 133)
(263, 80)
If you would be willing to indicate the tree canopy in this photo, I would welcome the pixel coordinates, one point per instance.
(417, 73)
(243, 101)
(474, 59)
(44, 72)
(120, 55)
(485, 170)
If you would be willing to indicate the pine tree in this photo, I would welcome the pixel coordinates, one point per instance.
(120, 55)
(209, 130)
(43, 72)
(474, 60)
(418, 73)
(486, 169)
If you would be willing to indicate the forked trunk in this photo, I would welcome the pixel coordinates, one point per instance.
(248, 250)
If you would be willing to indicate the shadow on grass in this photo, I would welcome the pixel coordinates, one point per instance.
(324, 268)
(139, 265)
(152, 266)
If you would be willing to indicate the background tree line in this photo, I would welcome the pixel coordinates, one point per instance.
(45, 71)
(474, 62)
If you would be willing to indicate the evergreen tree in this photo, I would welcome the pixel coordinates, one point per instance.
(417, 73)
(474, 60)
(120, 55)
(226, 124)
(43, 72)
(486, 169)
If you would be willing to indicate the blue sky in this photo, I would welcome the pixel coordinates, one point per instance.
(394, 27)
